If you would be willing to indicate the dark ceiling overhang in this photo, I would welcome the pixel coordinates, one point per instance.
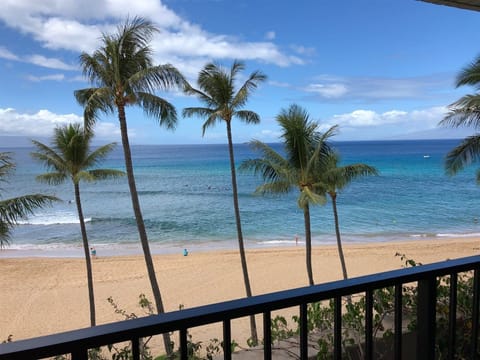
(463, 4)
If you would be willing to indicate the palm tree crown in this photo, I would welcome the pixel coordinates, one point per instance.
(123, 73)
(222, 101)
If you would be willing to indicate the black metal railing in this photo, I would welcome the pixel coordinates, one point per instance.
(78, 342)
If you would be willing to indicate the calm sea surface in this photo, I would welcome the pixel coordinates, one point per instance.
(185, 193)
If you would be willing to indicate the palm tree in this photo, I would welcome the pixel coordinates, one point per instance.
(123, 74)
(70, 158)
(336, 178)
(465, 112)
(305, 149)
(14, 209)
(224, 103)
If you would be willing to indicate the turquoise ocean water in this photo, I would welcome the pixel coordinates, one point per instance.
(185, 193)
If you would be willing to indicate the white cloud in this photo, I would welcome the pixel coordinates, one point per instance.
(376, 88)
(391, 122)
(328, 91)
(270, 35)
(7, 54)
(50, 63)
(42, 123)
(77, 26)
(53, 77)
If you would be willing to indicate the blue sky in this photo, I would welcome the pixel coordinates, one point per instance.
(380, 69)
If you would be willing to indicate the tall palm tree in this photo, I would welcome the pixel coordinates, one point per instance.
(123, 74)
(336, 178)
(224, 103)
(305, 149)
(465, 112)
(70, 158)
(14, 209)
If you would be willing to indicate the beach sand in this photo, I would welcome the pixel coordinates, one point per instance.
(41, 296)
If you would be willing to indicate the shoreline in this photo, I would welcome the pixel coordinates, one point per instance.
(62, 250)
(42, 296)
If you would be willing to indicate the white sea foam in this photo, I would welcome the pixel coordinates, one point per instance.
(53, 218)
(465, 235)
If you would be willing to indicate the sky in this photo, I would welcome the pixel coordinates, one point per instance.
(379, 69)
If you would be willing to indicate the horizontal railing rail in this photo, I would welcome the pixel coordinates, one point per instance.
(78, 342)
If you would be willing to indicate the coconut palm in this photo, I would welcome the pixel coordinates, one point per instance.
(223, 103)
(335, 178)
(465, 112)
(123, 74)
(305, 149)
(14, 209)
(70, 157)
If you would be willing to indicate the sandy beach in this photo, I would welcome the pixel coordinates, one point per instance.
(41, 296)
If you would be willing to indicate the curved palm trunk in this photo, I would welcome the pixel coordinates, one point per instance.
(308, 244)
(140, 223)
(86, 249)
(337, 231)
(246, 279)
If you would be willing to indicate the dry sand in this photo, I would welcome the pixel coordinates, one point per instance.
(41, 296)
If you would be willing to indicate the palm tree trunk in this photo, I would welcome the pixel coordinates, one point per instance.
(140, 223)
(86, 249)
(246, 279)
(337, 231)
(308, 244)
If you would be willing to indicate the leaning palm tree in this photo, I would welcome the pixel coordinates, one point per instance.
(305, 150)
(465, 112)
(14, 209)
(335, 178)
(123, 74)
(70, 158)
(224, 103)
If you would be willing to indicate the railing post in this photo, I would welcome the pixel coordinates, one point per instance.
(267, 335)
(227, 340)
(80, 354)
(183, 344)
(398, 321)
(337, 329)
(426, 312)
(303, 332)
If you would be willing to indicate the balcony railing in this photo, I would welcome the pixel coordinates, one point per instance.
(78, 342)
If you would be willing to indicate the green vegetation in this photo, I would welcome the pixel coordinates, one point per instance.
(123, 74)
(14, 209)
(224, 103)
(465, 112)
(306, 150)
(70, 158)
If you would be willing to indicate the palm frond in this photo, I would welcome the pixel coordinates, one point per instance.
(463, 155)
(53, 178)
(158, 108)
(464, 113)
(242, 95)
(470, 74)
(7, 165)
(248, 116)
(151, 78)
(11, 210)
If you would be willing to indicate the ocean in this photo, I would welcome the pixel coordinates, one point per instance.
(186, 198)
